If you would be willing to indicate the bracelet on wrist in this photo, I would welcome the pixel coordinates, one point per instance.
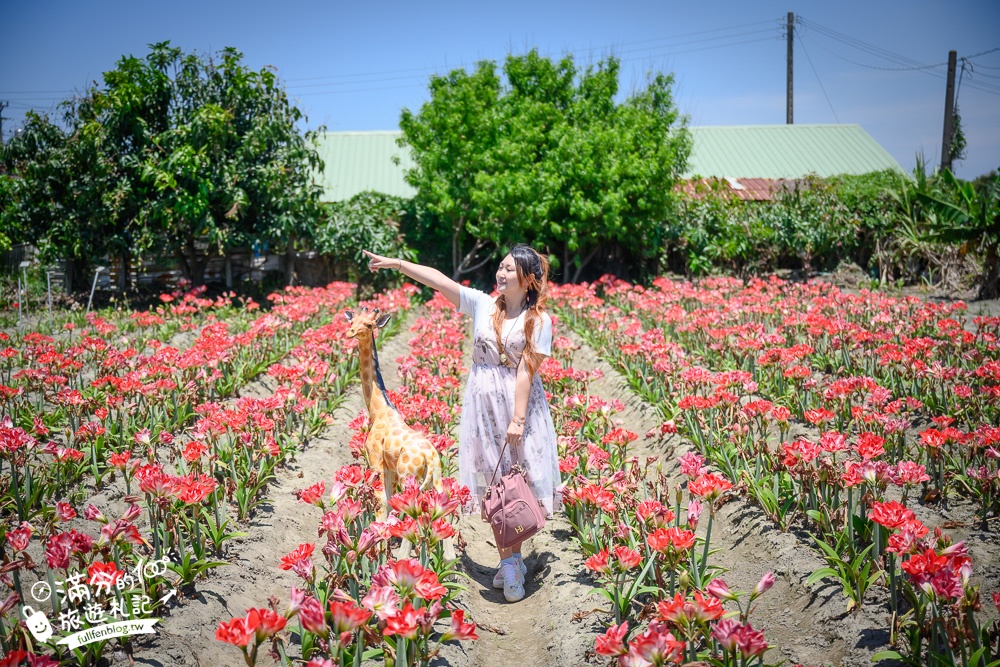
(519, 422)
(400, 265)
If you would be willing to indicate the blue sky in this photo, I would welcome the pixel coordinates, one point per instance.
(355, 65)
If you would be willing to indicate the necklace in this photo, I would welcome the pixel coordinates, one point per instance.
(504, 359)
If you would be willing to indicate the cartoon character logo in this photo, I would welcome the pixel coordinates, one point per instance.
(38, 624)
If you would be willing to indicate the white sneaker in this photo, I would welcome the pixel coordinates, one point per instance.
(513, 582)
(498, 577)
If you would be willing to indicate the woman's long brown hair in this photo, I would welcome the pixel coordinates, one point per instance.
(533, 275)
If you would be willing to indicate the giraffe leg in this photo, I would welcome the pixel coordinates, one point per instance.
(389, 484)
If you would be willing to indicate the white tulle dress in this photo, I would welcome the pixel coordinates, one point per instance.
(489, 407)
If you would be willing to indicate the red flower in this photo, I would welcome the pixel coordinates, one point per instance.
(235, 632)
(610, 643)
(709, 486)
(682, 612)
(404, 623)
(265, 622)
(870, 446)
(598, 562)
(300, 552)
(313, 495)
(347, 617)
(459, 629)
(429, 587)
(891, 514)
(627, 558)
(655, 646)
(619, 437)
(932, 438)
(193, 451)
(911, 472)
(674, 538)
(120, 460)
(103, 574)
(818, 416)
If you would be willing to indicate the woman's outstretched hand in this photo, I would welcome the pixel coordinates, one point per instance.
(376, 262)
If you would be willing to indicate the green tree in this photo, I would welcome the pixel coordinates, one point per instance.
(367, 221)
(62, 194)
(548, 155)
(175, 155)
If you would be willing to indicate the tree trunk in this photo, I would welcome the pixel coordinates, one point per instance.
(456, 233)
(68, 271)
(990, 286)
(123, 273)
(463, 266)
(585, 262)
(194, 264)
(290, 262)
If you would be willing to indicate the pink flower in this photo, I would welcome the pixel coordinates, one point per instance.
(694, 513)
(65, 511)
(719, 589)
(764, 584)
(911, 472)
(312, 616)
(692, 465)
(750, 642)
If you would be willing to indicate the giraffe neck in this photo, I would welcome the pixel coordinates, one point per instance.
(376, 396)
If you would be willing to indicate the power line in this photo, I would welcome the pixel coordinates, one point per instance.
(549, 54)
(671, 51)
(820, 81)
(623, 60)
(906, 64)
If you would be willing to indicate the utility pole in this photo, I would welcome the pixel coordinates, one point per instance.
(3, 105)
(949, 114)
(789, 107)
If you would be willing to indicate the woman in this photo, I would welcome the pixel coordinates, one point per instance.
(504, 400)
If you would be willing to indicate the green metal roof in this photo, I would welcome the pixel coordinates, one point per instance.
(785, 151)
(359, 161)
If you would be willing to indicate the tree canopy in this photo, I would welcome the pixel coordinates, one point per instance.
(547, 155)
(175, 155)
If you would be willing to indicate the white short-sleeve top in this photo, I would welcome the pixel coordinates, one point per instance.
(480, 307)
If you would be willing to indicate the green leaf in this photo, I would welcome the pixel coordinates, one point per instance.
(887, 655)
(822, 572)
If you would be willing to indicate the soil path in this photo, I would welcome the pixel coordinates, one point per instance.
(187, 635)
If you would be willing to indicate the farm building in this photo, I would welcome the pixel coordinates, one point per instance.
(752, 160)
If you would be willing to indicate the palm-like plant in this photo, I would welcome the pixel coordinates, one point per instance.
(957, 213)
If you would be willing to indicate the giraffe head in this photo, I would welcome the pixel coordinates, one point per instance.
(363, 324)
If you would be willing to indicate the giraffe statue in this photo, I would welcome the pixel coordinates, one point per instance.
(392, 447)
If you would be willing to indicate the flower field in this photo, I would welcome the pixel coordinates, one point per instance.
(841, 417)
(784, 472)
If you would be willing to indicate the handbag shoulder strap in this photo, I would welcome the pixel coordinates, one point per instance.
(499, 459)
